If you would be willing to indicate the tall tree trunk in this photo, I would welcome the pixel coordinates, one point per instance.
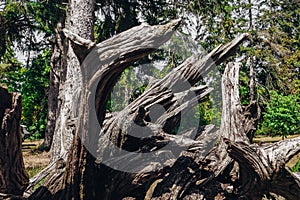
(251, 58)
(79, 20)
(55, 78)
(66, 60)
(13, 177)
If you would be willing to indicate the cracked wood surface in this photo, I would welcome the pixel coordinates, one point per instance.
(13, 177)
(213, 163)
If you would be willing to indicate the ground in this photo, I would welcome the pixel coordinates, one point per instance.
(34, 159)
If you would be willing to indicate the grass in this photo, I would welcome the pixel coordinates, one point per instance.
(296, 168)
(32, 171)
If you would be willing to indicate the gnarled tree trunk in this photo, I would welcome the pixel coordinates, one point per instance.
(13, 177)
(158, 163)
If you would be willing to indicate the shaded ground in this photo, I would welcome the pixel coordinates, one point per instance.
(34, 159)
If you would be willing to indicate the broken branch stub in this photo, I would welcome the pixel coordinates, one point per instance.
(175, 92)
(102, 67)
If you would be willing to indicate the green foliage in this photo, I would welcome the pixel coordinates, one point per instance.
(276, 43)
(117, 15)
(207, 113)
(13, 27)
(22, 21)
(32, 83)
(121, 94)
(46, 15)
(27, 26)
(11, 77)
(34, 90)
(274, 49)
(282, 116)
(120, 15)
(296, 168)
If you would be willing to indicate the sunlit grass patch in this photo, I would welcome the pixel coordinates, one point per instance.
(33, 170)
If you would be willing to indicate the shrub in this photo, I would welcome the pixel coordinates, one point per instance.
(282, 116)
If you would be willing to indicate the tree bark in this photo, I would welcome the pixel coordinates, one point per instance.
(200, 163)
(55, 79)
(13, 177)
(152, 38)
(251, 59)
(80, 21)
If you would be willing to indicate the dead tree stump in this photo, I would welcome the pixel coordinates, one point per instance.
(13, 177)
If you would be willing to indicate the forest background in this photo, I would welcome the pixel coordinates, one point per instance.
(271, 60)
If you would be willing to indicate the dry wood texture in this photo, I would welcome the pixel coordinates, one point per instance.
(13, 177)
(200, 163)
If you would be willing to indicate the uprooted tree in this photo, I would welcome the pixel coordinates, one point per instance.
(197, 163)
(212, 163)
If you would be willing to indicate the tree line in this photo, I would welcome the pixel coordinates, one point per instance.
(270, 64)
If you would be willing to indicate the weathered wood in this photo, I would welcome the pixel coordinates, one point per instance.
(161, 95)
(53, 93)
(192, 70)
(233, 121)
(79, 21)
(205, 170)
(13, 177)
(262, 169)
(195, 176)
(166, 92)
(88, 44)
(200, 163)
(265, 170)
(108, 68)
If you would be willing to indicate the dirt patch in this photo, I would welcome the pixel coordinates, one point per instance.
(268, 139)
(34, 159)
